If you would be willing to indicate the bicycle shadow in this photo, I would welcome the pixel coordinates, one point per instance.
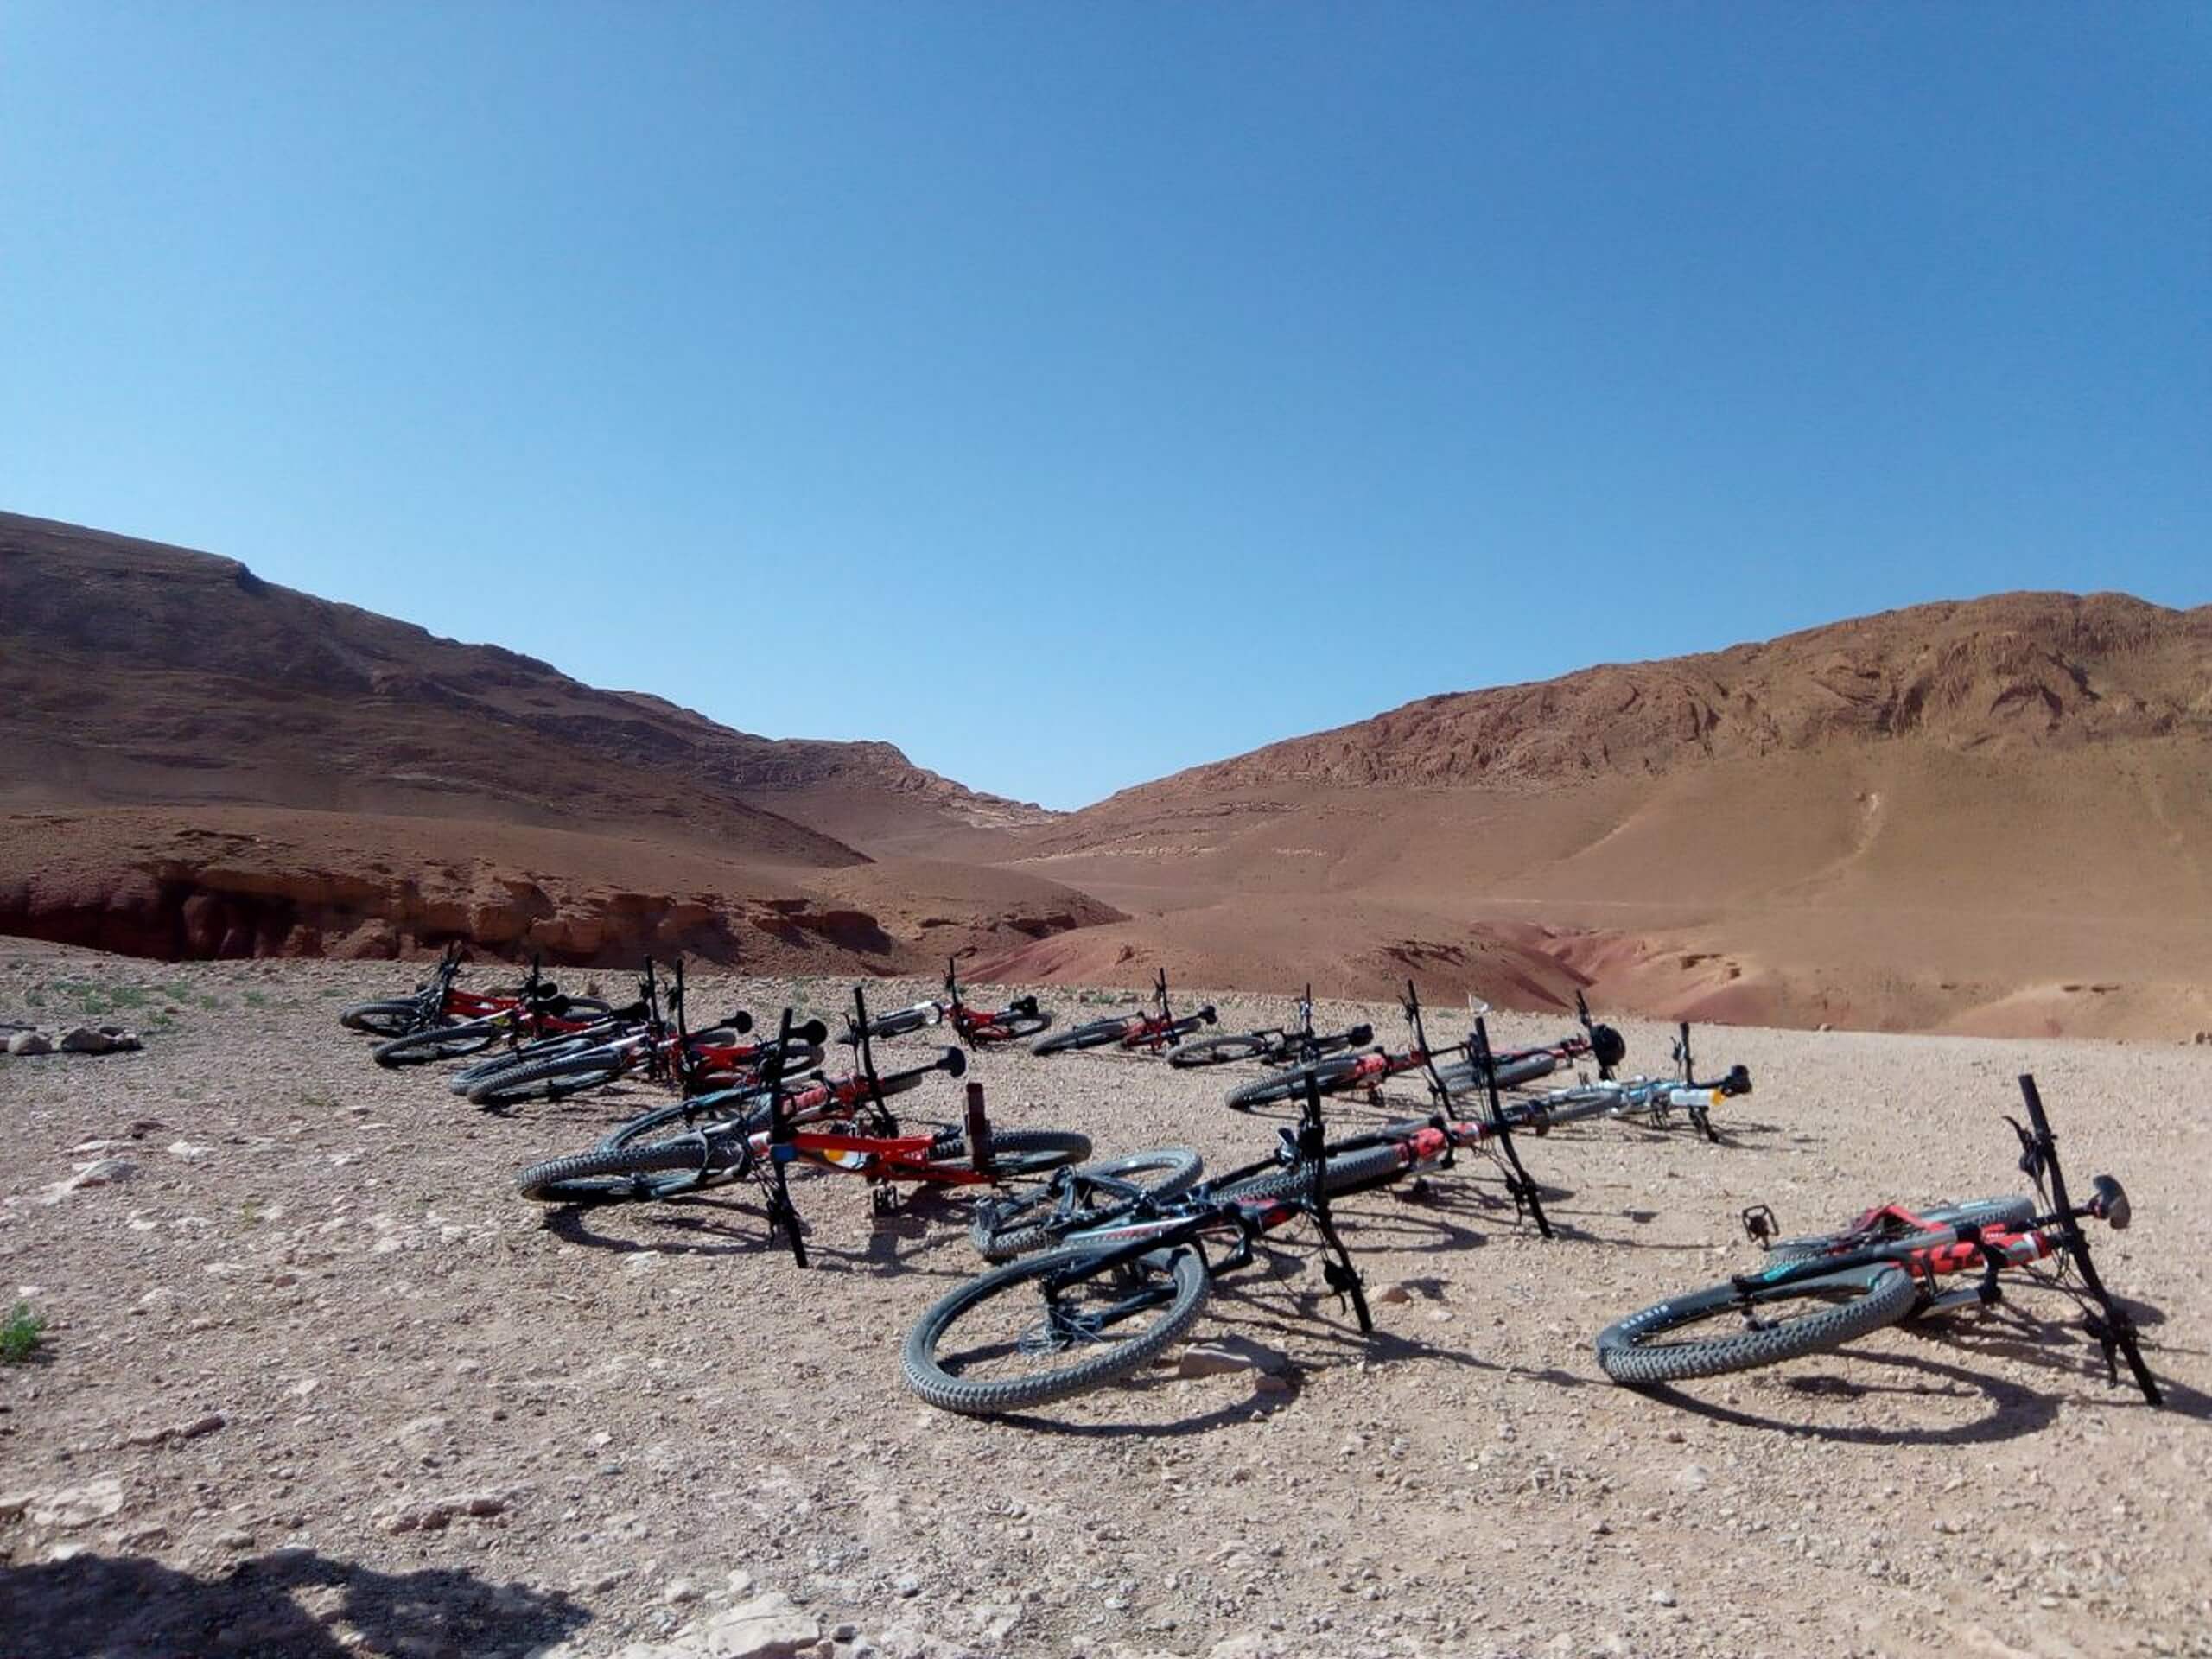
(288, 1603)
(720, 1223)
(1261, 1314)
(2065, 1350)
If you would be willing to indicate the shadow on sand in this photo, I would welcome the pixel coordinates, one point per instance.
(289, 1603)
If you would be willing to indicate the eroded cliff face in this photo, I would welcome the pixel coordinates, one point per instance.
(2031, 670)
(248, 882)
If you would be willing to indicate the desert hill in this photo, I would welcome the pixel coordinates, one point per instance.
(136, 672)
(1991, 815)
(1994, 815)
(198, 762)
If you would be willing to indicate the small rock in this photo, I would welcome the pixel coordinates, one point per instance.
(1206, 1359)
(907, 1585)
(1267, 1382)
(235, 1539)
(69, 1507)
(1664, 1598)
(767, 1627)
(1694, 1477)
(1396, 1292)
(680, 1591)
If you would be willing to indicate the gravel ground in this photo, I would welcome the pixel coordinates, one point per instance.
(313, 1381)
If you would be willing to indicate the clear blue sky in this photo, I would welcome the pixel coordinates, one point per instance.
(1070, 393)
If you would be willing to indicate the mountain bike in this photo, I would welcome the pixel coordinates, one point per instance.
(438, 1002)
(1344, 1073)
(1819, 1292)
(761, 1132)
(1151, 1031)
(1519, 1067)
(975, 1027)
(1651, 1101)
(656, 1043)
(539, 1008)
(1129, 1278)
(1076, 1201)
(1274, 1045)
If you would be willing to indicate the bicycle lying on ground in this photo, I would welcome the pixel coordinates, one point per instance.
(1077, 1200)
(537, 1010)
(1151, 1031)
(439, 1002)
(656, 1044)
(974, 1026)
(1650, 1101)
(1822, 1291)
(1131, 1270)
(844, 1126)
(1274, 1045)
(1368, 1072)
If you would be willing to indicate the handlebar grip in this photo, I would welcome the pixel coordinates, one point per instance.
(812, 1031)
(954, 1062)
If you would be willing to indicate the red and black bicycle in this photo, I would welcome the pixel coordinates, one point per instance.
(439, 1002)
(1156, 1028)
(1367, 1072)
(1819, 1292)
(977, 1027)
(845, 1126)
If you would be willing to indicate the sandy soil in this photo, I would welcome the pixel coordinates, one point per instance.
(315, 1381)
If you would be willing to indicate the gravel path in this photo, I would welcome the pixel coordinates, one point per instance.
(313, 1381)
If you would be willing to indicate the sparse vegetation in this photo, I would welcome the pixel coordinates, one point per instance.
(21, 1334)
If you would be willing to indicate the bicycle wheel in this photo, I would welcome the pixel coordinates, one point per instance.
(1460, 1078)
(901, 1023)
(1007, 1227)
(2012, 1211)
(1340, 1171)
(1219, 1051)
(1001, 1343)
(1095, 1034)
(657, 1169)
(529, 1054)
(1788, 1322)
(745, 1106)
(1282, 1088)
(551, 1079)
(1011, 1028)
(1016, 1155)
(394, 1017)
(442, 1043)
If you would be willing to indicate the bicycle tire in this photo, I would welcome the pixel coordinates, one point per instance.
(1012, 1028)
(900, 1023)
(1282, 1088)
(1458, 1078)
(1855, 1302)
(392, 1017)
(529, 1054)
(929, 1371)
(440, 1043)
(748, 1106)
(2015, 1211)
(551, 1079)
(1005, 1228)
(1339, 1171)
(1219, 1051)
(684, 1164)
(1095, 1034)
(1016, 1155)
